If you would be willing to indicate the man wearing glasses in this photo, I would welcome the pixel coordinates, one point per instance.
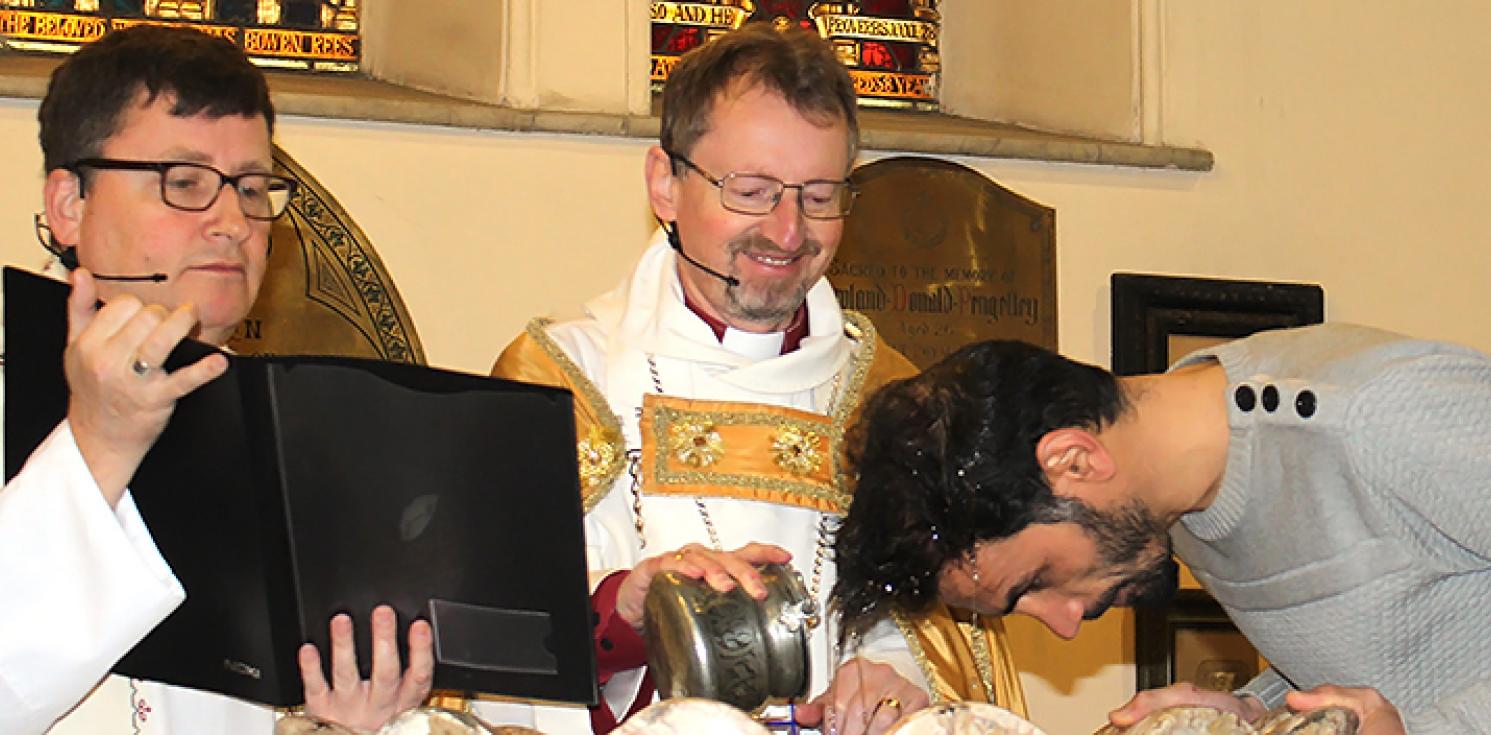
(159, 196)
(713, 384)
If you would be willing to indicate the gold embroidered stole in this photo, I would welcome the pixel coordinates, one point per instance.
(534, 357)
(770, 453)
(746, 451)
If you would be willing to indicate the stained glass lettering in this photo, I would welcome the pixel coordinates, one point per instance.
(309, 35)
(890, 46)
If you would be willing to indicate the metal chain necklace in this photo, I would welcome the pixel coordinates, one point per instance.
(811, 610)
(985, 669)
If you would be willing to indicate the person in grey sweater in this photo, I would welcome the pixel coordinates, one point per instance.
(1328, 485)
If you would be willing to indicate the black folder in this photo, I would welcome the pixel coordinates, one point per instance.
(294, 488)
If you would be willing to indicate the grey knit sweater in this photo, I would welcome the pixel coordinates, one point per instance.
(1351, 537)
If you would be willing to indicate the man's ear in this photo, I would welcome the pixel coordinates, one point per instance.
(662, 190)
(1069, 456)
(62, 196)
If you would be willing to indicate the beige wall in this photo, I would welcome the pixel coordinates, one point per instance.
(518, 53)
(1350, 145)
(1068, 66)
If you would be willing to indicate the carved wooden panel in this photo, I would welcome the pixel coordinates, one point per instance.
(326, 291)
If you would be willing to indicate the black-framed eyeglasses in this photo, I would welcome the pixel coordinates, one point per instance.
(193, 187)
(759, 194)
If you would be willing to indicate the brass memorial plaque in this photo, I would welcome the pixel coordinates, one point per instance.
(938, 256)
(326, 292)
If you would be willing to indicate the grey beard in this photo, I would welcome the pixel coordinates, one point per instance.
(774, 311)
(768, 308)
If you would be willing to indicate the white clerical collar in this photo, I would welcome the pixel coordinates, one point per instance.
(753, 345)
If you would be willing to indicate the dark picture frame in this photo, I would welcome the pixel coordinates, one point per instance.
(1192, 640)
(1148, 310)
(1156, 320)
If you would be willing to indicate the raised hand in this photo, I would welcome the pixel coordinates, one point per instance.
(366, 704)
(121, 398)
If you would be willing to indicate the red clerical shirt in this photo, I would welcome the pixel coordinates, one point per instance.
(618, 647)
(791, 340)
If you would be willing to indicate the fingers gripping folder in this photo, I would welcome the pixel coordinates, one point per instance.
(293, 488)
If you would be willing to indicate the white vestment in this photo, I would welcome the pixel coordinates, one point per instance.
(643, 324)
(80, 584)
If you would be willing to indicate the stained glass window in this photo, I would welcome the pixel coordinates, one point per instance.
(313, 35)
(890, 46)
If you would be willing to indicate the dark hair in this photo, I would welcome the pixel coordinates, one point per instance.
(90, 92)
(946, 460)
(792, 62)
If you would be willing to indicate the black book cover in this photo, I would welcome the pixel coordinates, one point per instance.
(293, 488)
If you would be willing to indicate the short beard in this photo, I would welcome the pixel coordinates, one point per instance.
(767, 305)
(772, 309)
(1132, 539)
(1152, 584)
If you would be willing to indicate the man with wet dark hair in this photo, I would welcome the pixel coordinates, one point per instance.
(937, 493)
(157, 149)
(1327, 485)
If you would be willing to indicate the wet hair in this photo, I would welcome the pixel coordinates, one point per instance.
(792, 62)
(91, 91)
(946, 460)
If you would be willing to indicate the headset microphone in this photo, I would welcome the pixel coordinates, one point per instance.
(673, 239)
(68, 256)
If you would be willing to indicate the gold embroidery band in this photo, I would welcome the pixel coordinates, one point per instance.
(746, 451)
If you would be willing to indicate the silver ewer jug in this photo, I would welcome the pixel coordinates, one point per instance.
(727, 646)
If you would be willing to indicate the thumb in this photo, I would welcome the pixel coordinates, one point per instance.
(1126, 715)
(1329, 695)
(1313, 699)
(810, 714)
(82, 303)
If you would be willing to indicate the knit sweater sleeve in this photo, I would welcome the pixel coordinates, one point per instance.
(1464, 712)
(1420, 437)
(1268, 687)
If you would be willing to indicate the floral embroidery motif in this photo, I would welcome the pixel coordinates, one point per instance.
(796, 450)
(139, 708)
(696, 443)
(597, 454)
